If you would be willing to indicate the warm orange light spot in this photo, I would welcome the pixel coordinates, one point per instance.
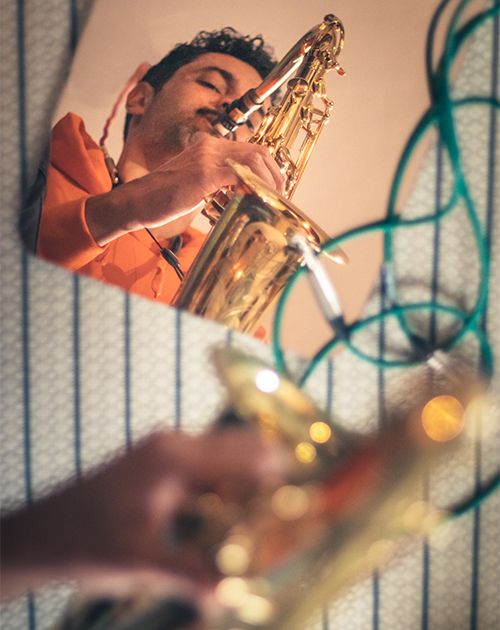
(320, 432)
(443, 418)
(305, 452)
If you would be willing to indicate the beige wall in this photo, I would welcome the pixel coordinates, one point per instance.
(377, 104)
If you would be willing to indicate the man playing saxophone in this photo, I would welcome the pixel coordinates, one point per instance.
(94, 218)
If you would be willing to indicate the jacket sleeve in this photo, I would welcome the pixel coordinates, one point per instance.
(77, 172)
(64, 236)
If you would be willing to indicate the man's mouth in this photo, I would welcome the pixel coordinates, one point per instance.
(211, 115)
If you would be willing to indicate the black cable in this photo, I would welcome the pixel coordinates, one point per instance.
(170, 254)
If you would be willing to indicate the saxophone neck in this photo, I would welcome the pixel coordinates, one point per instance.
(298, 54)
(238, 112)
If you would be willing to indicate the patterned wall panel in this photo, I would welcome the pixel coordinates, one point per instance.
(86, 370)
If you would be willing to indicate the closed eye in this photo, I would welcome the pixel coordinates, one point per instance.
(208, 85)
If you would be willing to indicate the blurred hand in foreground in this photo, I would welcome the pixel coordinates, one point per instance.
(113, 531)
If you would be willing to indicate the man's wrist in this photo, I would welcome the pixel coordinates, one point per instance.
(43, 542)
(105, 219)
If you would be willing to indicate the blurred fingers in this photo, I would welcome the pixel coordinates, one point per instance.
(231, 452)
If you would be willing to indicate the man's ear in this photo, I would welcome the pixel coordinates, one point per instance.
(139, 98)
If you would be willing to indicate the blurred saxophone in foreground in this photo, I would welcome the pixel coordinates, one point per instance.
(346, 502)
(250, 254)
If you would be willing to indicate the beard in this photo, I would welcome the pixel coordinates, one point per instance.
(182, 134)
(163, 142)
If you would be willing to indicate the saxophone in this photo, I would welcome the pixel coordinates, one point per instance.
(244, 264)
(250, 254)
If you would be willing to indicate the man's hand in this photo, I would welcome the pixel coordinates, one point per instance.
(114, 531)
(176, 188)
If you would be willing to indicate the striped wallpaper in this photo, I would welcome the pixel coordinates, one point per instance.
(86, 369)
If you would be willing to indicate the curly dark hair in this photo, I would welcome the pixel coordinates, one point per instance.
(228, 41)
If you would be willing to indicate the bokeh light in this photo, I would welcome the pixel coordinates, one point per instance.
(232, 591)
(320, 432)
(290, 502)
(232, 559)
(267, 381)
(443, 418)
(256, 610)
(305, 452)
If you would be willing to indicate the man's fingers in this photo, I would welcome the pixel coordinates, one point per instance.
(259, 160)
(120, 580)
(216, 455)
(240, 452)
(212, 152)
(278, 177)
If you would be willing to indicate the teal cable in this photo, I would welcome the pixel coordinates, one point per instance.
(439, 114)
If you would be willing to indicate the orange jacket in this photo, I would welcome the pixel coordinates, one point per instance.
(132, 261)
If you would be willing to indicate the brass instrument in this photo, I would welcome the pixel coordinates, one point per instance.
(249, 255)
(346, 502)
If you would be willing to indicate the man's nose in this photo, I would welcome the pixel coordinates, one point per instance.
(224, 102)
(229, 97)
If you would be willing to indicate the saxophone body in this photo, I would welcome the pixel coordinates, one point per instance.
(249, 255)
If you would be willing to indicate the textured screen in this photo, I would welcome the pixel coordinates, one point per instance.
(83, 375)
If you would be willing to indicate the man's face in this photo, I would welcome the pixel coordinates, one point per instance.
(190, 101)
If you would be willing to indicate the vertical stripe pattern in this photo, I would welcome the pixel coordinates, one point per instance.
(123, 351)
(178, 369)
(127, 370)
